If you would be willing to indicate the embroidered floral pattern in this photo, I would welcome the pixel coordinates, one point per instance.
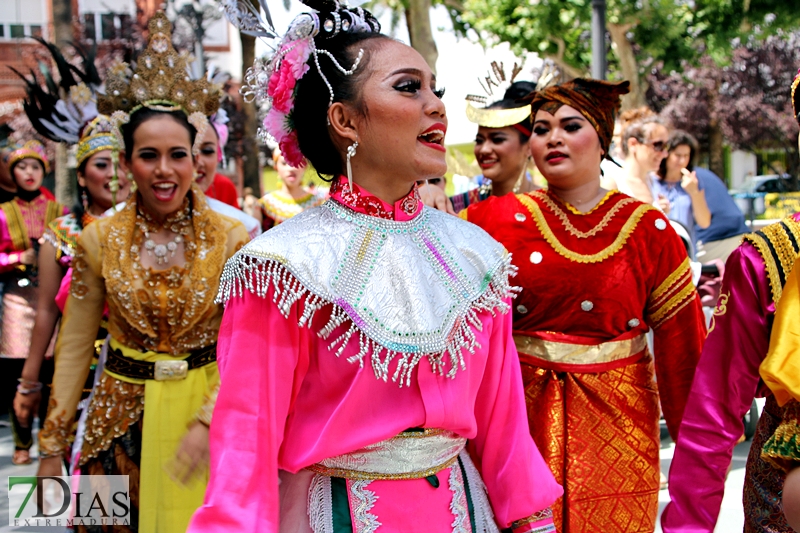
(165, 310)
(114, 407)
(55, 436)
(370, 205)
(364, 500)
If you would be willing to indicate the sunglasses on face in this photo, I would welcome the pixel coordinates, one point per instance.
(659, 146)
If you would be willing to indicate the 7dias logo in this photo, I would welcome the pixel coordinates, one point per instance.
(67, 501)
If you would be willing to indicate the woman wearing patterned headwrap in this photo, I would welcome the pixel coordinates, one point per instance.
(22, 222)
(593, 283)
(727, 380)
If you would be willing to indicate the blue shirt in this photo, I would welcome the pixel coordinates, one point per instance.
(726, 218)
(680, 203)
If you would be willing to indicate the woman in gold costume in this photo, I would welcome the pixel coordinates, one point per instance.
(157, 264)
(292, 198)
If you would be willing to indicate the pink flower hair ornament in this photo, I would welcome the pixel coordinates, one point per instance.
(291, 61)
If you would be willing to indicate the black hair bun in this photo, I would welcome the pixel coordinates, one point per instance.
(519, 90)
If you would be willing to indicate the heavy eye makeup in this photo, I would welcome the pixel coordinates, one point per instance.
(413, 86)
(101, 164)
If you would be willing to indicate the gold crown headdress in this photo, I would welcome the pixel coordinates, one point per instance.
(32, 149)
(496, 79)
(160, 80)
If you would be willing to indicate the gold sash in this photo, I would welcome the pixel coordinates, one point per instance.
(579, 354)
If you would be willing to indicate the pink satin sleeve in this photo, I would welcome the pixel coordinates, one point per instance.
(725, 383)
(8, 257)
(517, 479)
(63, 290)
(246, 436)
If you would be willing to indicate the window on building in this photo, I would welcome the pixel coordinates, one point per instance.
(2, 31)
(108, 29)
(36, 30)
(89, 28)
(125, 26)
(17, 31)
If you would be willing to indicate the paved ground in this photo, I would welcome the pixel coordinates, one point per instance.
(731, 517)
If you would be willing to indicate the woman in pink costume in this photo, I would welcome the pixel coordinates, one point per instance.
(369, 376)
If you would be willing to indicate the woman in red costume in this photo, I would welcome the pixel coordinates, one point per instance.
(597, 270)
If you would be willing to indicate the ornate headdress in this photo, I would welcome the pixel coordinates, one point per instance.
(275, 82)
(516, 114)
(497, 79)
(30, 150)
(598, 101)
(66, 111)
(796, 97)
(160, 80)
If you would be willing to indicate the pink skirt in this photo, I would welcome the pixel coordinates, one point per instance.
(19, 315)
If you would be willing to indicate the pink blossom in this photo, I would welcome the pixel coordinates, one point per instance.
(277, 124)
(298, 57)
(291, 151)
(281, 88)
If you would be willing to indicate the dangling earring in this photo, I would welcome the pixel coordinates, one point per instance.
(522, 177)
(85, 200)
(129, 176)
(351, 151)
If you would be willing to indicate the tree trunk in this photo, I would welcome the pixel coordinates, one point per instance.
(628, 65)
(252, 170)
(66, 183)
(716, 161)
(63, 34)
(418, 20)
(62, 22)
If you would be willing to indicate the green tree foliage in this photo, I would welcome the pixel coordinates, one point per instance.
(641, 32)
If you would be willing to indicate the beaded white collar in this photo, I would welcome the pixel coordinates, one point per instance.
(409, 289)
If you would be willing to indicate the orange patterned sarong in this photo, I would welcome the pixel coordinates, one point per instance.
(599, 434)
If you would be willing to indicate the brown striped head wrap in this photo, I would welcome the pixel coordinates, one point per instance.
(598, 101)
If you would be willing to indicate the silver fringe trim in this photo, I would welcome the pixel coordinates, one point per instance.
(458, 505)
(256, 274)
(365, 522)
(49, 237)
(484, 516)
(320, 505)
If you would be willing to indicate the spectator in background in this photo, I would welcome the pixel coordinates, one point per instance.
(700, 200)
(217, 186)
(644, 144)
(292, 198)
(678, 183)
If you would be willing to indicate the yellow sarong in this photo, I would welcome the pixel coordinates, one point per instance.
(780, 370)
(170, 406)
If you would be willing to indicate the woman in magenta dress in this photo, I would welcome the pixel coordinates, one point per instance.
(369, 376)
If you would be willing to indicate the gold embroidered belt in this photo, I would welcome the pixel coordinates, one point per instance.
(410, 455)
(558, 355)
(164, 370)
